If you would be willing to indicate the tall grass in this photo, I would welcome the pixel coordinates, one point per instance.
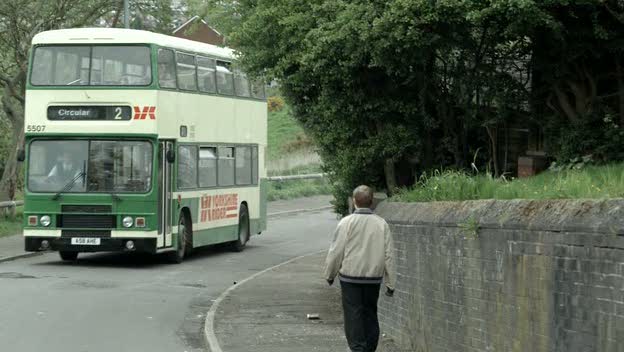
(589, 182)
(298, 162)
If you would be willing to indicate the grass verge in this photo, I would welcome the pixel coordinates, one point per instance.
(297, 188)
(8, 226)
(593, 182)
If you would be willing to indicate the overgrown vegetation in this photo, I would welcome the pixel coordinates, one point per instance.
(389, 89)
(588, 182)
(297, 189)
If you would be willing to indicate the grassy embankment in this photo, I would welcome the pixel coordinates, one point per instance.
(11, 226)
(290, 152)
(592, 182)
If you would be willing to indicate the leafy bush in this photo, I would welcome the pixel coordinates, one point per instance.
(599, 137)
(275, 103)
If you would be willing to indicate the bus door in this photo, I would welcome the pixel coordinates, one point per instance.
(164, 195)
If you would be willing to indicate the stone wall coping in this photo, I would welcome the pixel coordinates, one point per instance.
(577, 215)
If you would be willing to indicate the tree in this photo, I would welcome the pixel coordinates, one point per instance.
(391, 88)
(19, 22)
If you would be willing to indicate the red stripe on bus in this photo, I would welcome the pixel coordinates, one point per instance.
(231, 208)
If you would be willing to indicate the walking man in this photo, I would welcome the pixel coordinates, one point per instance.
(362, 255)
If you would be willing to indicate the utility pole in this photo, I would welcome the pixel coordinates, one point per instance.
(127, 13)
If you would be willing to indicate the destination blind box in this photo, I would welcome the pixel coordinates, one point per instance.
(89, 113)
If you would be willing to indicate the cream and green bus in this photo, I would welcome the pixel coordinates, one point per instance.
(140, 142)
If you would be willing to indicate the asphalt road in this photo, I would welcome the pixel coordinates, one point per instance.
(118, 302)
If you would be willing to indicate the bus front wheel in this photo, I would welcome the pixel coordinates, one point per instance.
(177, 256)
(243, 230)
(68, 256)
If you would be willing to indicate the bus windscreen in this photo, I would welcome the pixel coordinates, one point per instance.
(100, 65)
(110, 166)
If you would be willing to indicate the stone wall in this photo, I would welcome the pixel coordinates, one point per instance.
(507, 276)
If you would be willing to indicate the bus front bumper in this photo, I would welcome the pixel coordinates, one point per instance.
(34, 243)
(143, 245)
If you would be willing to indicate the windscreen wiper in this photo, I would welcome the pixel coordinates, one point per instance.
(115, 196)
(71, 183)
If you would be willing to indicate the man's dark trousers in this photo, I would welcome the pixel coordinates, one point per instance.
(359, 303)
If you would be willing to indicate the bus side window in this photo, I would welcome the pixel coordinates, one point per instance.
(225, 81)
(206, 68)
(187, 166)
(241, 84)
(243, 165)
(254, 165)
(207, 167)
(226, 166)
(166, 69)
(186, 71)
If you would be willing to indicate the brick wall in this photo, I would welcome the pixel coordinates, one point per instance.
(507, 276)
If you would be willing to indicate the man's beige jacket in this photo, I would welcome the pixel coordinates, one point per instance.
(362, 250)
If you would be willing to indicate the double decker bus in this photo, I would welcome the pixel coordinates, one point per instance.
(140, 142)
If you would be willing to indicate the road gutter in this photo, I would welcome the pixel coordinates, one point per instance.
(19, 256)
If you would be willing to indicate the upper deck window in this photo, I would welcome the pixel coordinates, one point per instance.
(186, 72)
(100, 65)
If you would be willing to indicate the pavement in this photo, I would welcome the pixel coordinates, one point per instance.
(269, 312)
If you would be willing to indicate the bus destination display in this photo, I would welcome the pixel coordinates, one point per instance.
(92, 113)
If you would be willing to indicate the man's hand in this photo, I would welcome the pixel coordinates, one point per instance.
(389, 292)
(330, 282)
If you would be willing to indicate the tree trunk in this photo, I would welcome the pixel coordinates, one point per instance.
(564, 103)
(620, 83)
(390, 175)
(14, 109)
(492, 133)
(8, 182)
(389, 165)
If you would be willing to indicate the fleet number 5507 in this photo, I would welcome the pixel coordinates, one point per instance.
(35, 128)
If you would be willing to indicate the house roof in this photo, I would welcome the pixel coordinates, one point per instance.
(191, 20)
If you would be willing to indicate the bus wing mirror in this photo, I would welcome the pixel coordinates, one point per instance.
(21, 155)
(170, 156)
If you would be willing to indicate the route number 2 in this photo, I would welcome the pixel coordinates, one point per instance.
(117, 113)
(35, 128)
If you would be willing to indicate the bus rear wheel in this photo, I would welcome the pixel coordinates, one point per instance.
(243, 230)
(68, 256)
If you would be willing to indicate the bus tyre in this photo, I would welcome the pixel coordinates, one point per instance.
(243, 230)
(177, 256)
(68, 256)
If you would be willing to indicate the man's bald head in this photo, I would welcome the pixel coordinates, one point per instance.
(363, 196)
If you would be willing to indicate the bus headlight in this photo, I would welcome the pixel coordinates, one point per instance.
(45, 221)
(127, 221)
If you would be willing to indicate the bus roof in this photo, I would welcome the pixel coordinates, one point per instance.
(128, 36)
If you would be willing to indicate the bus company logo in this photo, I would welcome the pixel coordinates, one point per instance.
(141, 114)
(218, 207)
